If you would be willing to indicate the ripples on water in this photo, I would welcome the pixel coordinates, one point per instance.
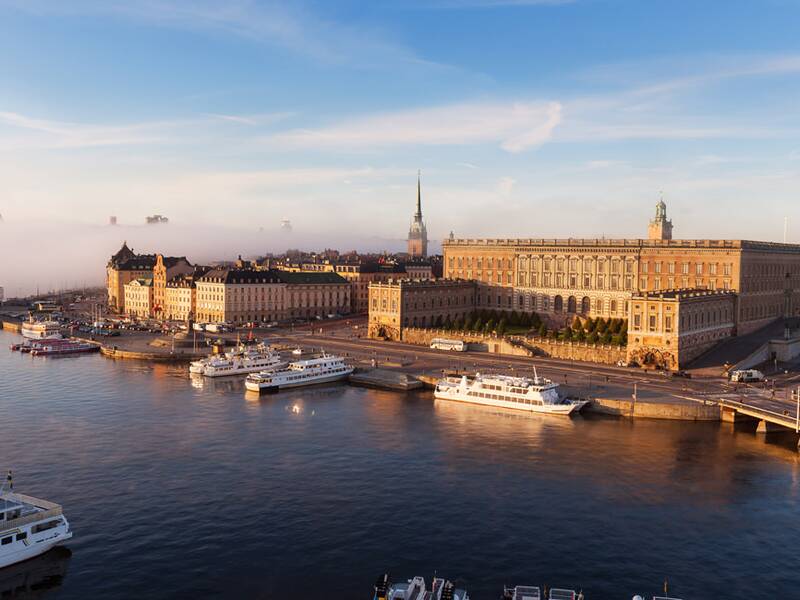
(178, 487)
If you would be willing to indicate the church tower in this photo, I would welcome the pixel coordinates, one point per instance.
(417, 234)
(660, 228)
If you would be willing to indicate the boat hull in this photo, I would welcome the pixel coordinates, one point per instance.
(273, 388)
(33, 550)
(38, 335)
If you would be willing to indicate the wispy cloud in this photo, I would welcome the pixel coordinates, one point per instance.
(515, 126)
(286, 25)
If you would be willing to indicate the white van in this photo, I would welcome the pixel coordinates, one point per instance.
(747, 376)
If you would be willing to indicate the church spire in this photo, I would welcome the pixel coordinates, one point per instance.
(418, 214)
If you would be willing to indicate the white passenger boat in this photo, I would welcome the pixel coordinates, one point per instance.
(239, 361)
(537, 395)
(29, 527)
(324, 369)
(41, 330)
(415, 589)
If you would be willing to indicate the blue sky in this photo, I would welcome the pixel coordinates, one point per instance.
(527, 118)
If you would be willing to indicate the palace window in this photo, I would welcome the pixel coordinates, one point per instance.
(712, 268)
(698, 269)
(587, 281)
(726, 269)
(671, 268)
(685, 268)
(658, 267)
(643, 283)
(645, 267)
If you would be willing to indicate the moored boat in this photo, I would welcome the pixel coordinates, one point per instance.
(41, 330)
(244, 359)
(537, 394)
(415, 589)
(325, 369)
(72, 347)
(29, 527)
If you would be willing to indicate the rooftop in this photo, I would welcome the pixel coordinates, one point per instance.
(624, 243)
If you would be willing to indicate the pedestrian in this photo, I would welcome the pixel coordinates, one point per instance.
(10, 480)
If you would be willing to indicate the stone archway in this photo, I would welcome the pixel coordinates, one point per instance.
(558, 304)
(572, 305)
(586, 305)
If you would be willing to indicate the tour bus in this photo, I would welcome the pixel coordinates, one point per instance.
(443, 344)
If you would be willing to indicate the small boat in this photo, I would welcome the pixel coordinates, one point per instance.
(243, 359)
(537, 395)
(63, 349)
(529, 592)
(415, 589)
(324, 369)
(29, 527)
(41, 330)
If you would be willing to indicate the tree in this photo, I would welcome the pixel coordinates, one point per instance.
(581, 336)
(623, 338)
(535, 320)
(448, 324)
(589, 325)
(577, 324)
(513, 318)
(477, 325)
(458, 324)
(525, 320)
(602, 325)
(490, 324)
(501, 327)
(553, 335)
(439, 322)
(542, 330)
(593, 337)
(605, 338)
(567, 335)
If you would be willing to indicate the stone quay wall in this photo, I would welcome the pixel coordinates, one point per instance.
(520, 346)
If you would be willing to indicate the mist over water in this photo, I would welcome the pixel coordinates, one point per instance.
(51, 256)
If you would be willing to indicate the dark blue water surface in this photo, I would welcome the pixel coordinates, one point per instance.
(180, 488)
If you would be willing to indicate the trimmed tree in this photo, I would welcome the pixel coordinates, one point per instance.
(501, 327)
(593, 338)
(477, 325)
(605, 338)
(542, 330)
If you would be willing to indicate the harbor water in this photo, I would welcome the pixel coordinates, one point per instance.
(180, 487)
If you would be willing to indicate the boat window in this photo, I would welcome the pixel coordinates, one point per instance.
(45, 526)
(22, 536)
(7, 540)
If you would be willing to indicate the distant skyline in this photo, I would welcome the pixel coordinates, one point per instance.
(531, 118)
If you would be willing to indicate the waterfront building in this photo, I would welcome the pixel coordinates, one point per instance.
(126, 266)
(180, 295)
(672, 327)
(417, 233)
(138, 297)
(162, 272)
(395, 305)
(561, 278)
(250, 295)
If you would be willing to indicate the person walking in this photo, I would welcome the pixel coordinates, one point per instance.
(10, 480)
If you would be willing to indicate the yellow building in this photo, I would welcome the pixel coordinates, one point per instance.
(248, 295)
(138, 297)
(669, 329)
(394, 305)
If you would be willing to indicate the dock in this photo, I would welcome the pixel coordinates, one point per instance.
(385, 379)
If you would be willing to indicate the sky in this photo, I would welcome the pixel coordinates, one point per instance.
(527, 118)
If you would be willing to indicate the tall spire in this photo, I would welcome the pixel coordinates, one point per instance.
(418, 214)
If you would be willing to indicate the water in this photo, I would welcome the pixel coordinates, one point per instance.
(177, 489)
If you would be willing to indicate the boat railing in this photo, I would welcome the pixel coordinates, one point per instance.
(526, 592)
(559, 594)
(664, 598)
(48, 510)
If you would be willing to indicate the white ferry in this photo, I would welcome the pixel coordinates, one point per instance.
(325, 369)
(236, 362)
(29, 527)
(537, 395)
(415, 589)
(41, 330)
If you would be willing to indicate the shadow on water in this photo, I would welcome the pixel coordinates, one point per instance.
(35, 577)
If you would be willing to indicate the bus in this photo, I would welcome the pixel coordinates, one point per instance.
(443, 344)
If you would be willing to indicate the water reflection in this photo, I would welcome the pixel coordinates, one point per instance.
(35, 577)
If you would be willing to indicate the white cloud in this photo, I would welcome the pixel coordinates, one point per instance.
(514, 126)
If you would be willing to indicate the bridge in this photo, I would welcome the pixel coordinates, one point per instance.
(772, 415)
